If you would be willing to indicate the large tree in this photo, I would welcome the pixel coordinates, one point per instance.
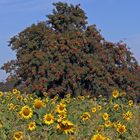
(65, 55)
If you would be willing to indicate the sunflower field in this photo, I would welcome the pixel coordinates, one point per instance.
(27, 117)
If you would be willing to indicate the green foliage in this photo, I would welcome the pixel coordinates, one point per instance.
(64, 55)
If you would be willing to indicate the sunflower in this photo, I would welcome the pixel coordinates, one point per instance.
(94, 109)
(116, 124)
(107, 123)
(48, 119)
(66, 126)
(81, 97)
(1, 93)
(128, 115)
(11, 106)
(31, 126)
(67, 100)
(61, 108)
(100, 128)
(19, 97)
(25, 100)
(18, 135)
(15, 108)
(47, 100)
(115, 93)
(62, 115)
(123, 94)
(85, 116)
(18, 92)
(130, 102)
(68, 95)
(8, 97)
(26, 112)
(121, 129)
(98, 137)
(15, 91)
(99, 107)
(105, 116)
(38, 104)
(116, 107)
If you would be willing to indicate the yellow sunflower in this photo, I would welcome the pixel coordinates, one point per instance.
(15, 108)
(85, 116)
(38, 104)
(1, 93)
(108, 123)
(62, 115)
(123, 94)
(47, 100)
(26, 112)
(11, 106)
(116, 124)
(18, 135)
(115, 93)
(130, 102)
(94, 109)
(121, 129)
(61, 108)
(66, 126)
(99, 107)
(100, 128)
(98, 137)
(19, 97)
(31, 126)
(116, 107)
(81, 97)
(18, 92)
(48, 119)
(128, 115)
(15, 91)
(68, 95)
(105, 116)
(67, 100)
(25, 100)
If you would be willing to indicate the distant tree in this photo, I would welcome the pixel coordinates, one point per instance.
(7, 85)
(65, 55)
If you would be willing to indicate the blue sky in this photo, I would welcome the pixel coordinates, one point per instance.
(117, 19)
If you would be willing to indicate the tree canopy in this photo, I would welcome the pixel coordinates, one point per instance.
(66, 55)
